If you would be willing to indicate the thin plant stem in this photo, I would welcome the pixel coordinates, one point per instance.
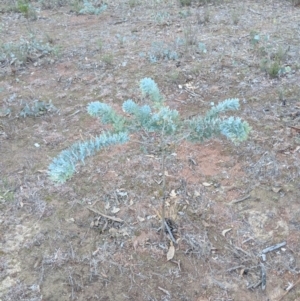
(163, 167)
(163, 158)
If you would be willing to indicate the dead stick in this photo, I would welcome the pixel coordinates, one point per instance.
(273, 248)
(170, 232)
(239, 200)
(240, 249)
(116, 219)
(297, 282)
(263, 276)
(235, 268)
(163, 290)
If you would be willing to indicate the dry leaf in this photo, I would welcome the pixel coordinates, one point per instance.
(168, 175)
(171, 252)
(104, 275)
(151, 216)
(141, 219)
(122, 193)
(124, 232)
(173, 194)
(276, 189)
(113, 231)
(107, 206)
(205, 224)
(225, 231)
(96, 252)
(115, 210)
(196, 193)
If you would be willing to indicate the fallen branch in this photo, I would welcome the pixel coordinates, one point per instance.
(116, 219)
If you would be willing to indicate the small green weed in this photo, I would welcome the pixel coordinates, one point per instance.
(273, 69)
(204, 2)
(50, 4)
(6, 196)
(108, 59)
(185, 2)
(121, 39)
(38, 108)
(6, 191)
(162, 17)
(162, 51)
(25, 51)
(254, 38)
(190, 36)
(25, 8)
(273, 59)
(206, 15)
(99, 44)
(174, 76)
(133, 3)
(90, 9)
(235, 16)
(184, 13)
(202, 47)
(76, 6)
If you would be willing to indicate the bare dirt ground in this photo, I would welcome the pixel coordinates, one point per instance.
(228, 203)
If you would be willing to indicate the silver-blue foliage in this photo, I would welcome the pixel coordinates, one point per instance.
(211, 124)
(224, 106)
(235, 129)
(149, 88)
(90, 9)
(99, 109)
(158, 117)
(64, 165)
(107, 114)
(162, 51)
(165, 120)
(141, 114)
(129, 106)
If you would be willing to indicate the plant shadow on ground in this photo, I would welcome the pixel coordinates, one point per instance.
(228, 204)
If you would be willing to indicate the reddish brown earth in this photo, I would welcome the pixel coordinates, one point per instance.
(228, 202)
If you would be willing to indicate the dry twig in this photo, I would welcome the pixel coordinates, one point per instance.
(273, 248)
(240, 200)
(169, 231)
(116, 219)
(288, 290)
